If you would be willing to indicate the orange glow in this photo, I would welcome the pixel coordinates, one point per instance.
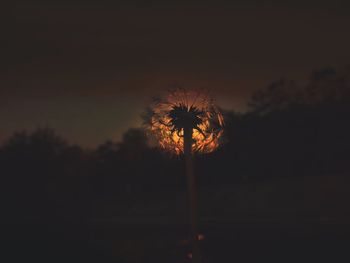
(205, 140)
(200, 237)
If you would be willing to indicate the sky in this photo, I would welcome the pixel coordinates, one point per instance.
(89, 68)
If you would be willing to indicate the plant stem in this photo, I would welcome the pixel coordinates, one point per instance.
(191, 184)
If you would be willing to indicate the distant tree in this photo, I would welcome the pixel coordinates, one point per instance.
(35, 171)
(37, 152)
(307, 122)
(277, 96)
(134, 149)
(134, 142)
(123, 164)
(106, 152)
(328, 86)
(21, 174)
(323, 86)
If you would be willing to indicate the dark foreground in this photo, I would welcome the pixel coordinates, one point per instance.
(164, 240)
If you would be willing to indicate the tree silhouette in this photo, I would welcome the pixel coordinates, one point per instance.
(305, 120)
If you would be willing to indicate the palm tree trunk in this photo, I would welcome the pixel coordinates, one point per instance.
(192, 196)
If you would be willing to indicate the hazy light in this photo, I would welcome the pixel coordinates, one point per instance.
(206, 136)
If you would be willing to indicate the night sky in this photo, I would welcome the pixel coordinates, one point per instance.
(89, 69)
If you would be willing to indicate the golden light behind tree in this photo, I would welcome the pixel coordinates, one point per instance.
(180, 108)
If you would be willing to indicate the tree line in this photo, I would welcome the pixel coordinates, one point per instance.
(290, 130)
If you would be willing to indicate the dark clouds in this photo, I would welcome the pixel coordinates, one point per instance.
(88, 69)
